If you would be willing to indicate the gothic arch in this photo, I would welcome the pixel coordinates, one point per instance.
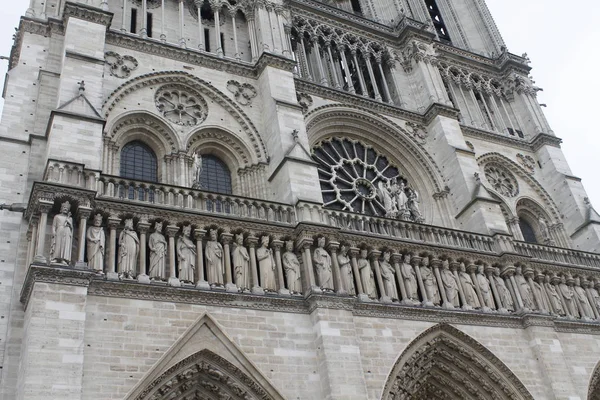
(544, 196)
(199, 85)
(222, 143)
(594, 387)
(389, 139)
(445, 363)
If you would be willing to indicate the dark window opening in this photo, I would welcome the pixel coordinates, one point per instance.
(138, 161)
(206, 40)
(511, 131)
(520, 134)
(133, 20)
(527, 231)
(438, 21)
(223, 43)
(206, 11)
(215, 175)
(356, 6)
(149, 24)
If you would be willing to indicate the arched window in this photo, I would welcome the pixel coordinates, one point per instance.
(138, 161)
(527, 231)
(215, 175)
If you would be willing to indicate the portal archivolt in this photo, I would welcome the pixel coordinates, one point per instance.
(444, 363)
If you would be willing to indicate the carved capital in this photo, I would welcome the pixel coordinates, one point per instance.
(84, 212)
(226, 238)
(354, 251)
(333, 247)
(374, 255)
(171, 230)
(199, 234)
(113, 222)
(277, 244)
(252, 241)
(44, 205)
(143, 227)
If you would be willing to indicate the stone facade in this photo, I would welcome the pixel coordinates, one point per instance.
(398, 219)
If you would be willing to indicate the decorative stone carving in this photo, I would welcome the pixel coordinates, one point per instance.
(96, 241)
(241, 264)
(62, 235)
(186, 256)
(266, 265)
(503, 291)
(291, 266)
(181, 105)
(366, 274)
(568, 294)
(553, 295)
(524, 290)
(502, 180)
(417, 131)
(527, 162)
(150, 4)
(120, 66)
(322, 263)
(585, 307)
(158, 253)
(387, 274)
(214, 260)
(304, 100)
(468, 287)
(470, 145)
(484, 288)
(129, 248)
(544, 231)
(450, 286)
(242, 92)
(346, 275)
(430, 282)
(410, 279)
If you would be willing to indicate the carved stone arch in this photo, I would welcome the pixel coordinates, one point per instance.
(594, 387)
(223, 143)
(389, 139)
(201, 86)
(142, 125)
(443, 362)
(516, 169)
(204, 363)
(530, 211)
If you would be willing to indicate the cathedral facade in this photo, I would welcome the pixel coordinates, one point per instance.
(300, 199)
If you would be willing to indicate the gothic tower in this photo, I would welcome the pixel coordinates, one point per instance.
(300, 199)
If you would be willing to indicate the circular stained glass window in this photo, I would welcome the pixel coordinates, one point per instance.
(356, 178)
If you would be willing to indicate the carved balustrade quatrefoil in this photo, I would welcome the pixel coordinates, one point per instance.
(180, 105)
(120, 66)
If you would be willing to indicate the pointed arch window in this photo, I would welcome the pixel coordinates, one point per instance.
(215, 175)
(138, 161)
(527, 231)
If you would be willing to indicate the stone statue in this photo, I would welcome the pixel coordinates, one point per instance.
(595, 294)
(468, 287)
(584, 303)
(553, 296)
(241, 263)
(366, 275)
(388, 276)
(398, 193)
(413, 205)
(346, 270)
(568, 294)
(62, 235)
(197, 171)
(322, 261)
(384, 194)
(96, 241)
(544, 232)
(409, 278)
(540, 294)
(291, 266)
(450, 285)
(524, 290)
(158, 253)
(429, 281)
(186, 255)
(484, 287)
(214, 260)
(266, 265)
(129, 248)
(503, 291)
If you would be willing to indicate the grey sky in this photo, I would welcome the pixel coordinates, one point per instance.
(560, 44)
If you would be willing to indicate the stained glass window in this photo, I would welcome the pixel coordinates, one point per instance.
(215, 176)
(138, 161)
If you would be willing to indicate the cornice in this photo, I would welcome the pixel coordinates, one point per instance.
(469, 131)
(98, 285)
(543, 139)
(505, 62)
(87, 13)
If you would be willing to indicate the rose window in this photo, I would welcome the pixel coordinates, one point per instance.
(501, 180)
(354, 177)
(180, 105)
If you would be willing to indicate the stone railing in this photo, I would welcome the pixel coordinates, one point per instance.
(557, 254)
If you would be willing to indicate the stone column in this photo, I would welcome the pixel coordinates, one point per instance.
(342, 51)
(83, 213)
(386, 89)
(111, 271)
(539, 278)
(337, 280)
(354, 251)
(528, 274)
(471, 268)
(435, 264)
(309, 271)
(509, 271)
(454, 266)
(123, 21)
(181, 23)
(315, 40)
(143, 227)
(32, 237)
(372, 77)
(416, 262)
(304, 57)
(144, 30)
(201, 282)
(336, 80)
(252, 241)
(383, 296)
(163, 36)
(216, 7)
(277, 245)
(44, 208)
(391, 64)
(361, 79)
(171, 231)
(250, 17)
(396, 259)
(226, 242)
(283, 37)
(198, 4)
(235, 39)
(489, 271)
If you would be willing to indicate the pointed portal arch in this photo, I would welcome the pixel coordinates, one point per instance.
(204, 363)
(594, 388)
(444, 363)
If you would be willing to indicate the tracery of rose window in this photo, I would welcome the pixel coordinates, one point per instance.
(355, 177)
